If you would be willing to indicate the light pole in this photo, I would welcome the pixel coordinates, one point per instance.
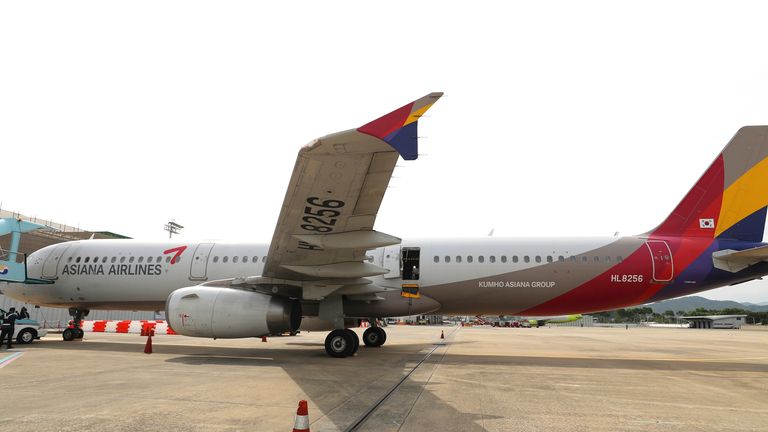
(172, 228)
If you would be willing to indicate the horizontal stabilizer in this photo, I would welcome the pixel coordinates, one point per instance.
(734, 261)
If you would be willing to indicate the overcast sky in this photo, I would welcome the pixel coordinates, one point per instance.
(560, 118)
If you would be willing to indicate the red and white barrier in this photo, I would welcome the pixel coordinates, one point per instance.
(142, 327)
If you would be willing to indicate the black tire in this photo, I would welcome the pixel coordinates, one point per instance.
(68, 334)
(79, 333)
(374, 337)
(339, 343)
(355, 340)
(26, 336)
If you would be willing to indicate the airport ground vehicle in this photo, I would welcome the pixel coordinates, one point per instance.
(27, 330)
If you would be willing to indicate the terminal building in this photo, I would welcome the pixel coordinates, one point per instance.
(57, 233)
(716, 321)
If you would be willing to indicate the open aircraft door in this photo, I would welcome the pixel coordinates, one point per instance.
(198, 270)
(51, 264)
(661, 259)
(391, 261)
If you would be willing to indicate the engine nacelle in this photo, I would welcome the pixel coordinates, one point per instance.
(230, 313)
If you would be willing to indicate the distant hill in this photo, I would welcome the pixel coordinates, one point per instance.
(695, 302)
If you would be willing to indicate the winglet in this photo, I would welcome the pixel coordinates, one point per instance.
(398, 128)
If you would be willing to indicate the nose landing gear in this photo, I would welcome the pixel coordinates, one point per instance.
(73, 331)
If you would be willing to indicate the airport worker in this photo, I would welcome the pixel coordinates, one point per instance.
(23, 313)
(8, 326)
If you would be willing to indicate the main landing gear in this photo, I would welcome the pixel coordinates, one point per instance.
(73, 331)
(345, 342)
(374, 337)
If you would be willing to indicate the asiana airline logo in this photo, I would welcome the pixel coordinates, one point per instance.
(96, 269)
(3, 270)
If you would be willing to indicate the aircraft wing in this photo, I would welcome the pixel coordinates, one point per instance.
(338, 183)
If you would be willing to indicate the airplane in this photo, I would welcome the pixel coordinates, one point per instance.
(558, 319)
(327, 268)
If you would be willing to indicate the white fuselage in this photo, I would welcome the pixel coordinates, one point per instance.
(136, 275)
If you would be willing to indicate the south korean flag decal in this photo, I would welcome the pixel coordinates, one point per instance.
(707, 223)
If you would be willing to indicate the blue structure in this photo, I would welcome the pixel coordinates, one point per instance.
(13, 265)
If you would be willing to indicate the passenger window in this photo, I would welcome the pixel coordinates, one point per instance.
(481, 259)
(216, 259)
(226, 259)
(113, 260)
(561, 258)
(255, 258)
(264, 258)
(584, 259)
(447, 259)
(538, 259)
(141, 259)
(458, 258)
(597, 259)
(470, 259)
(131, 259)
(527, 259)
(514, 259)
(437, 259)
(167, 259)
(245, 259)
(234, 258)
(619, 258)
(178, 259)
(104, 259)
(159, 260)
(87, 259)
(492, 259)
(574, 259)
(504, 258)
(608, 259)
(549, 258)
(78, 259)
(69, 259)
(149, 259)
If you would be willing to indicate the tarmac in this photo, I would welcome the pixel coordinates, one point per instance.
(477, 379)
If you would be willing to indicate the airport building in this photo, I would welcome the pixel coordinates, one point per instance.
(53, 234)
(716, 321)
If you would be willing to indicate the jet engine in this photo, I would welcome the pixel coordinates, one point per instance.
(213, 312)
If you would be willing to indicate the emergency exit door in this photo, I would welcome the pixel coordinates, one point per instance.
(661, 260)
(390, 260)
(198, 270)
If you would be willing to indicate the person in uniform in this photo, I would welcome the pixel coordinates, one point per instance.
(8, 326)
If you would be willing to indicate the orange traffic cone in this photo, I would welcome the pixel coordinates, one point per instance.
(442, 334)
(263, 338)
(148, 346)
(302, 418)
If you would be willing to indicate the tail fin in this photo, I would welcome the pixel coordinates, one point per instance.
(729, 201)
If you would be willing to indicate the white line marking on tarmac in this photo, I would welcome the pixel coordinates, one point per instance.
(5, 361)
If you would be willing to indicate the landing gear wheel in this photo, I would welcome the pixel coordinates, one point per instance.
(25, 336)
(374, 337)
(79, 333)
(68, 334)
(355, 340)
(340, 343)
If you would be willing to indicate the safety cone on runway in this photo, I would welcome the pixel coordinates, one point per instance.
(148, 346)
(442, 334)
(302, 418)
(263, 338)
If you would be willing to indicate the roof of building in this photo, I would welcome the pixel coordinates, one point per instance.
(713, 317)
